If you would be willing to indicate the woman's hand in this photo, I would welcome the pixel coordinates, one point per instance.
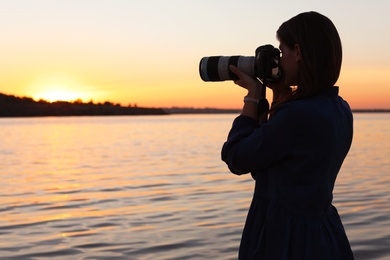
(253, 85)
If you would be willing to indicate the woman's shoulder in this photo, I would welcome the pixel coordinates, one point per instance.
(314, 109)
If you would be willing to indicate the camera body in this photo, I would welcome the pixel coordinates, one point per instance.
(264, 65)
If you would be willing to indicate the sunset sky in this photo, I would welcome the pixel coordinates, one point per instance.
(147, 52)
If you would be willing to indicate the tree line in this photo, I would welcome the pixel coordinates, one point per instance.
(13, 106)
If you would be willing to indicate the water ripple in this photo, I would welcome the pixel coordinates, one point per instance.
(155, 188)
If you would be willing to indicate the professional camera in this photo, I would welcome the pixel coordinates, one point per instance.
(264, 65)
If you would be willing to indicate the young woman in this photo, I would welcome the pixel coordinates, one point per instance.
(296, 154)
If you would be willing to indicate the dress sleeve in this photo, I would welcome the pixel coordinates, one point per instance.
(250, 147)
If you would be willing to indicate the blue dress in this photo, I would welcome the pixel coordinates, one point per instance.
(295, 158)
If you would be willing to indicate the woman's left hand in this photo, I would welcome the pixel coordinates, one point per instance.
(253, 85)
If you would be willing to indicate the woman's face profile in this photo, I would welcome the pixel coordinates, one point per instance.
(289, 62)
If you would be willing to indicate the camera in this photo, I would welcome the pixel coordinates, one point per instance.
(264, 65)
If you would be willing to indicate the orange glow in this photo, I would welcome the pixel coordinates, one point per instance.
(58, 87)
(123, 56)
(365, 88)
(58, 95)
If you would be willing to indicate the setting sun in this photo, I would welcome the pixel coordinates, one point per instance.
(57, 87)
(58, 95)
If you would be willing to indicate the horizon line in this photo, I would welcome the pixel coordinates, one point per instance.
(80, 101)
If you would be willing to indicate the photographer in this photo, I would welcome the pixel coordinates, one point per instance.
(296, 150)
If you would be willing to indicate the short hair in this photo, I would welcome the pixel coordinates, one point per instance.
(320, 48)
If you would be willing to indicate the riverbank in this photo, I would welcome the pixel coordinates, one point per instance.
(11, 106)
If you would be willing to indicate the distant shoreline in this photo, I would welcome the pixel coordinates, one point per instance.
(12, 106)
(370, 110)
(178, 110)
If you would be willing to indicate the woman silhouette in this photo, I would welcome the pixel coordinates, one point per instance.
(296, 154)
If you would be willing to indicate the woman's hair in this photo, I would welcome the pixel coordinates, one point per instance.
(320, 48)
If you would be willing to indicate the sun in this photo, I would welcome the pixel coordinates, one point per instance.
(54, 94)
(56, 87)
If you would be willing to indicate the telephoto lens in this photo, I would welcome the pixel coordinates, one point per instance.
(216, 68)
(264, 66)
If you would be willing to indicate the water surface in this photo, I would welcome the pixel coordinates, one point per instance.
(154, 187)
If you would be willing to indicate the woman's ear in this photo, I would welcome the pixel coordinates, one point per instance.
(297, 51)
